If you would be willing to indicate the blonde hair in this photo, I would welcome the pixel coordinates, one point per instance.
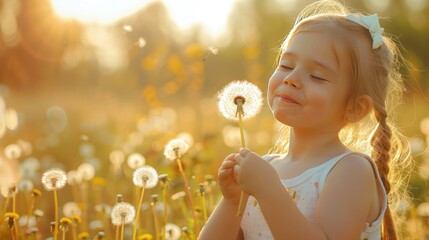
(375, 73)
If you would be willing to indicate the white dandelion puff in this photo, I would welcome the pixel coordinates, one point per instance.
(71, 209)
(122, 213)
(54, 179)
(25, 185)
(146, 177)
(172, 231)
(86, 171)
(8, 190)
(136, 160)
(246, 92)
(175, 148)
(12, 151)
(73, 178)
(117, 157)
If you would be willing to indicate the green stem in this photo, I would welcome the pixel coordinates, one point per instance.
(191, 203)
(155, 222)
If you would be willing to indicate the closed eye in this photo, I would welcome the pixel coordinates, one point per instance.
(285, 67)
(318, 78)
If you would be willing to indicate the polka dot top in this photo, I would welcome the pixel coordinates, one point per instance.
(305, 190)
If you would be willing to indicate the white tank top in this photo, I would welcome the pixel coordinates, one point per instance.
(305, 190)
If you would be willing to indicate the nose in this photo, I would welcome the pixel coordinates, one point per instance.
(292, 79)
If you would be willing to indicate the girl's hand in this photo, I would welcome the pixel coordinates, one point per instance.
(227, 180)
(255, 175)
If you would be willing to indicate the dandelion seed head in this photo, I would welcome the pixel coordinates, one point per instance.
(9, 190)
(86, 171)
(54, 179)
(25, 185)
(172, 231)
(12, 151)
(146, 177)
(136, 160)
(122, 213)
(175, 148)
(31, 220)
(117, 157)
(243, 90)
(71, 209)
(73, 177)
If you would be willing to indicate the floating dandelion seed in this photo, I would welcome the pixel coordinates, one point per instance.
(211, 50)
(172, 231)
(231, 95)
(146, 177)
(54, 179)
(141, 42)
(127, 28)
(175, 148)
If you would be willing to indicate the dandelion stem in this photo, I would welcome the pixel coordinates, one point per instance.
(164, 200)
(64, 235)
(12, 232)
(117, 232)
(16, 227)
(243, 144)
(139, 204)
(74, 231)
(191, 203)
(6, 203)
(203, 204)
(122, 231)
(155, 222)
(56, 214)
(14, 203)
(30, 212)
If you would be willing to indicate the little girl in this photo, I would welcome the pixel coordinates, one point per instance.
(336, 82)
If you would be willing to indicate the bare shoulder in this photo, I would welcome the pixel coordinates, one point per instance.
(355, 167)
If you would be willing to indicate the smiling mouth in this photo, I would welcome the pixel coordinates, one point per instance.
(287, 99)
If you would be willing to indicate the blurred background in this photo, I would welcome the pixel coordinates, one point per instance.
(80, 79)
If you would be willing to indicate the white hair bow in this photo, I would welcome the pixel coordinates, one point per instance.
(372, 24)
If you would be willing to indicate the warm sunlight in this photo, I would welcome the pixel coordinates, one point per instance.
(212, 15)
(99, 11)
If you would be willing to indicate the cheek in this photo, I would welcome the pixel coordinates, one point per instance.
(272, 85)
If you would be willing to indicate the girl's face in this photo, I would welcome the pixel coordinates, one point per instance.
(306, 91)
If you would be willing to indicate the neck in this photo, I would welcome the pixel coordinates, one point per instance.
(307, 145)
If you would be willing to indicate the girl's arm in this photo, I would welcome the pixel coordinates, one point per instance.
(342, 208)
(222, 224)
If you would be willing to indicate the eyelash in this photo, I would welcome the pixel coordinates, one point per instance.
(311, 76)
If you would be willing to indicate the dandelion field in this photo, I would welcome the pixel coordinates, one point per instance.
(115, 132)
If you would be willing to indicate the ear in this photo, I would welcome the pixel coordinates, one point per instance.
(358, 109)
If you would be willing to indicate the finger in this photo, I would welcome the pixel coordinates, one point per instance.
(231, 157)
(227, 164)
(244, 151)
(240, 159)
(236, 169)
